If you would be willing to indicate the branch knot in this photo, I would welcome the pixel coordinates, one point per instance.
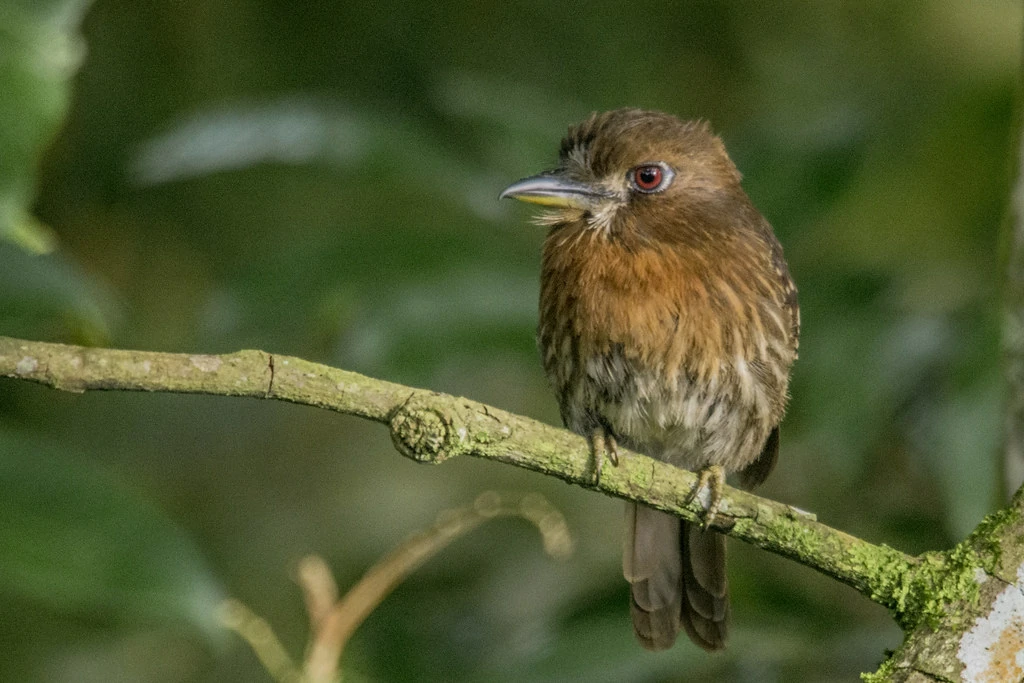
(423, 433)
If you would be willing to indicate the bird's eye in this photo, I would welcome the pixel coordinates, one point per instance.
(650, 177)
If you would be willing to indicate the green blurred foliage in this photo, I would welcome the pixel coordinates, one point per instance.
(74, 539)
(39, 52)
(320, 179)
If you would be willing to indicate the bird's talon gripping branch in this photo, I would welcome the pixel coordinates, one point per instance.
(603, 442)
(612, 446)
(712, 477)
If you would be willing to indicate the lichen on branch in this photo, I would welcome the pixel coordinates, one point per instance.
(432, 427)
(937, 598)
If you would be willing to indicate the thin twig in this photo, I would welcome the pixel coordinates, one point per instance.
(235, 616)
(344, 618)
(332, 621)
(318, 588)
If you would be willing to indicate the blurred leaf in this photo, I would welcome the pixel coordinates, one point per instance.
(291, 130)
(77, 540)
(417, 319)
(39, 53)
(310, 130)
(49, 297)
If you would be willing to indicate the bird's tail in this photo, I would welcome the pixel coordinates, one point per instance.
(677, 579)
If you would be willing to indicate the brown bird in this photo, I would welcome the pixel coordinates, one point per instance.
(668, 324)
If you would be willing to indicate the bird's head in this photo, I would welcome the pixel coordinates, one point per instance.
(631, 170)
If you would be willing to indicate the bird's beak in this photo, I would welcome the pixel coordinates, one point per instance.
(552, 189)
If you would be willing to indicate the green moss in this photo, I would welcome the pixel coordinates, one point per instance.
(939, 580)
(922, 592)
(987, 538)
(793, 534)
(884, 673)
(886, 573)
(641, 478)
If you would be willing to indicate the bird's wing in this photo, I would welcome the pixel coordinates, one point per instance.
(756, 472)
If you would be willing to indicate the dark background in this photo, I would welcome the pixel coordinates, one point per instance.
(320, 179)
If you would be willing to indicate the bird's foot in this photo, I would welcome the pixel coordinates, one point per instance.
(602, 442)
(712, 477)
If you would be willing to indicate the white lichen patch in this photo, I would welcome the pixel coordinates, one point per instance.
(796, 513)
(993, 650)
(26, 365)
(206, 363)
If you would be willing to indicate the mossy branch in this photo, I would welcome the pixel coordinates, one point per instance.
(432, 427)
(941, 599)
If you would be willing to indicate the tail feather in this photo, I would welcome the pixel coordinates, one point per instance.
(651, 564)
(705, 614)
(677, 580)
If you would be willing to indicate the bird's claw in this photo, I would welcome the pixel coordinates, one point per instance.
(712, 477)
(602, 441)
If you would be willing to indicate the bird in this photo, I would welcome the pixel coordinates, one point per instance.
(668, 325)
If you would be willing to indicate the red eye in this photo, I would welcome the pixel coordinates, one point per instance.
(648, 178)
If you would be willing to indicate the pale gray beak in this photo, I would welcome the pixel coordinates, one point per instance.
(551, 189)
